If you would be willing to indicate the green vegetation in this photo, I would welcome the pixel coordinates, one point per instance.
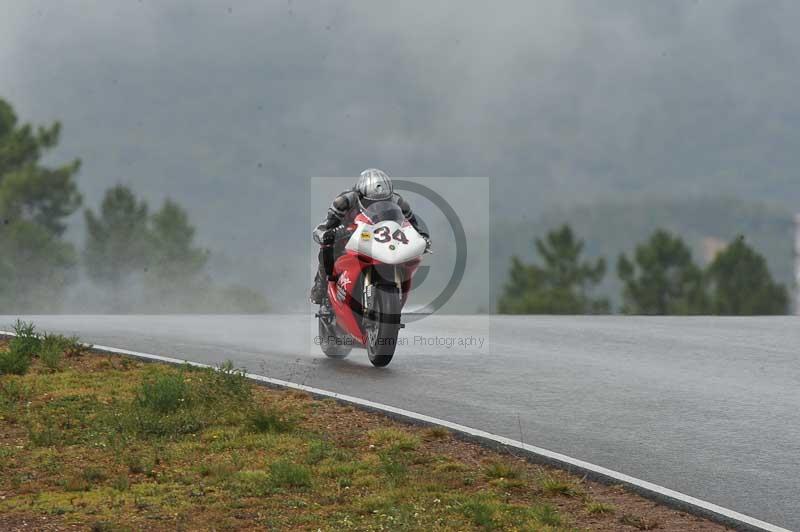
(124, 243)
(394, 439)
(287, 474)
(481, 510)
(614, 227)
(164, 393)
(741, 284)
(52, 348)
(502, 470)
(594, 507)
(560, 286)
(35, 200)
(176, 264)
(117, 240)
(14, 362)
(269, 420)
(158, 251)
(662, 278)
(113, 444)
(547, 514)
(437, 433)
(27, 344)
(558, 485)
(150, 261)
(21, 349)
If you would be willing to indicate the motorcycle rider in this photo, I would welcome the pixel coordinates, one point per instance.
(372, 185)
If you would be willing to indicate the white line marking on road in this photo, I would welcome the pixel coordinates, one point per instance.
(675, 498)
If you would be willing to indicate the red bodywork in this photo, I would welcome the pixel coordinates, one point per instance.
(348, 271)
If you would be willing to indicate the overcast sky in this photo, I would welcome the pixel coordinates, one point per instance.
(627, 92)
(230, 106)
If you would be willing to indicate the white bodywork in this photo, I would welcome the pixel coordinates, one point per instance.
(381, 242)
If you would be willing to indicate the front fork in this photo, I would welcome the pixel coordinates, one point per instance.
(371, 278)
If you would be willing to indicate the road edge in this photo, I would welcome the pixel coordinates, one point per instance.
(673, 499)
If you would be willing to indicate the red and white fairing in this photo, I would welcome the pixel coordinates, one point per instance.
(385, 242)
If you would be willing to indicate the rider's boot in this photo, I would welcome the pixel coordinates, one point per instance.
(319, 290)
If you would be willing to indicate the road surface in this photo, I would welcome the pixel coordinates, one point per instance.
(706, 406)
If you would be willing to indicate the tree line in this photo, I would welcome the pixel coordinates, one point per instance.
(128, 249)
(149, 261)
(659, 278)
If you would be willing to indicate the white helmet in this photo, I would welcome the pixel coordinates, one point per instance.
(374, 185)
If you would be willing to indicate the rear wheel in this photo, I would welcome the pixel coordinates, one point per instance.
(383, 324)
(333, 342)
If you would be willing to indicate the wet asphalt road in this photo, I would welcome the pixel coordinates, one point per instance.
(706, 406)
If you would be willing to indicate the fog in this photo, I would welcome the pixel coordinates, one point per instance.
(232, 108)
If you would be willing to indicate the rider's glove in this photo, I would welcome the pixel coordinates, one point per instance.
(329, 237)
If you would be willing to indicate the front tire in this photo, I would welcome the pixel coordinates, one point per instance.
(383, 324)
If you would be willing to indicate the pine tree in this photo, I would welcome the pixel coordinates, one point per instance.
(662, 279)
(117, 241)
(741, 284)
(561, 285)
(35, 200)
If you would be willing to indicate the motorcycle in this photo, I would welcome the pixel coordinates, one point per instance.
(370, 284)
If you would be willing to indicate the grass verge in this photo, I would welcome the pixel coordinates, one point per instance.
(106, 443)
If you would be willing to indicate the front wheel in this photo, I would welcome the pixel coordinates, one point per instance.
(383, 324)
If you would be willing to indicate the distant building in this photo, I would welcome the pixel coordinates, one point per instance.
(711, 247)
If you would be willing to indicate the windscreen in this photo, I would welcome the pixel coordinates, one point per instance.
(383, 211)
